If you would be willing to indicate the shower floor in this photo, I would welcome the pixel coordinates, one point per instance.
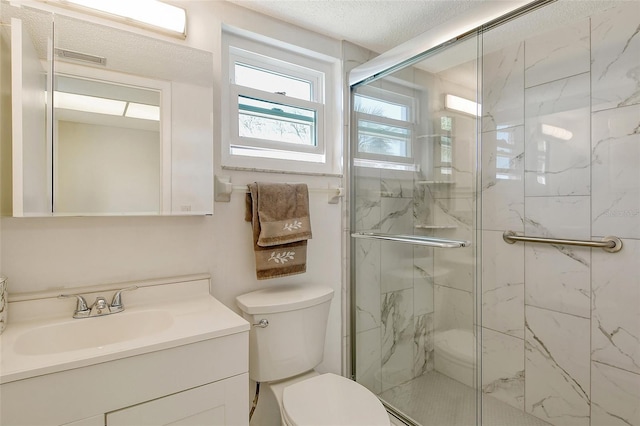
(434, 399)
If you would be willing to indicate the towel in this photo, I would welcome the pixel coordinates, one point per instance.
(279, 214)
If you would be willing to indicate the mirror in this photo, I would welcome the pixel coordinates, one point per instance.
(129, 129)
(107, 144)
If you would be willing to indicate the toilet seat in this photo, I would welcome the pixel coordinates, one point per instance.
(329, 399)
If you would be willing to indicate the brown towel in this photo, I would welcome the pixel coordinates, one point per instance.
(281, 226)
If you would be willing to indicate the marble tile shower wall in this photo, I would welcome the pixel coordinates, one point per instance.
(400, 285)
(561, 158)
(394, 295)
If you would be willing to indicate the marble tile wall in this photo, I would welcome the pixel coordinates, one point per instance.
(557, 382)
(561, 158)
(503, 367)
(503, 208)
(399, 286)
(394, 291)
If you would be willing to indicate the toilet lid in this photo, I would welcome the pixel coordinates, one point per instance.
(329, 399)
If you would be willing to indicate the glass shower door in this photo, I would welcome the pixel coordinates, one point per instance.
(414, 145)
(493, 333)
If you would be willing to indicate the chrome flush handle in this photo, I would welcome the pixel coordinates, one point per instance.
(263, 323)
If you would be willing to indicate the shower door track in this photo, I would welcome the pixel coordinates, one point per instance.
(417, 240)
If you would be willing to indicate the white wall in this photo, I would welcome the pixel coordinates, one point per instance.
(48, 253)
(106, 169)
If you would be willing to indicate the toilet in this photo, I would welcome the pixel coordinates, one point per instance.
(455, 354)
(286, 343)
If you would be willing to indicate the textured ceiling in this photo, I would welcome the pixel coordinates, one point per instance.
(375, 24)
(380, 25)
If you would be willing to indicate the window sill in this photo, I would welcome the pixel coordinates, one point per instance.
(282, 172)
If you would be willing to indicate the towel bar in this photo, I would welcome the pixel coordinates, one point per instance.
(610, 244)
(223, 188)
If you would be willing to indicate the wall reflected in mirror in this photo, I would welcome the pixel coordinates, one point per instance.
(106, 147)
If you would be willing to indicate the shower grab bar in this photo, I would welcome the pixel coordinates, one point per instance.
(610, 244)
(413, 239)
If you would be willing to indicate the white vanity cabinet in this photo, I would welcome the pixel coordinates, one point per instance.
(204, 383)
(194, 372)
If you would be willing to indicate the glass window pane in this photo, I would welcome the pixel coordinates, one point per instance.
(381, 108)
(269, 81)
(446, 154)
(276, 122)
(383, 139)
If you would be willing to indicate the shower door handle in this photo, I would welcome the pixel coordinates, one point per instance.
(417, 240)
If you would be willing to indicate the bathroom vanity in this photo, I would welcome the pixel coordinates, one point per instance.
(174, 355)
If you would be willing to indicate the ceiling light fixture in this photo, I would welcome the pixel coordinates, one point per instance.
(456, 103)
(147, 12)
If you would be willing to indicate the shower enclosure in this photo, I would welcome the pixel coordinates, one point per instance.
(529, 127)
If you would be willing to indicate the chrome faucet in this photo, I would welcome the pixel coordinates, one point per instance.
(100, 307)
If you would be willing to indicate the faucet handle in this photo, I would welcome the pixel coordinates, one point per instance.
(117, 298)
(81, 306)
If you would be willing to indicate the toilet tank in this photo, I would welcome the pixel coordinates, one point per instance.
(293, 342)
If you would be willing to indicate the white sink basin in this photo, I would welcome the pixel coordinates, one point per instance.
(88, 333)
(42, 337)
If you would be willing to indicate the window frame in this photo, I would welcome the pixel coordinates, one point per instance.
(249, 142)
(241, 152)
(284, 67)
(393, 97)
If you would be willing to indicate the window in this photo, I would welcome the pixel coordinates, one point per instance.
(384, 125)
(277, 108)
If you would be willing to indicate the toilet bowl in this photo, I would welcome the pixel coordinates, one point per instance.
(327, 399)
(455, 354)
(286, 343)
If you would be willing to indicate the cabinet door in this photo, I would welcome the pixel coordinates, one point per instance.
(221, 403)
(30, 144)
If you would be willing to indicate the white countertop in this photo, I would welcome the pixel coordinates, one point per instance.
(190, 314)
